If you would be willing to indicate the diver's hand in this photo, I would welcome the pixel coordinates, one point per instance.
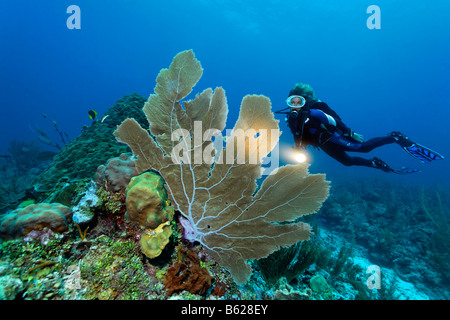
(357, 137)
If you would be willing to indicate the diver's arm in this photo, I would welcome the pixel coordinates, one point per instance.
(346, 131)
(324, 118)
(328, 122)
(326, 109)
(298, 141)
(297, 137)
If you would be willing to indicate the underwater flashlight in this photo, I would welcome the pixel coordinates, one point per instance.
(294, 155)
(300, 156)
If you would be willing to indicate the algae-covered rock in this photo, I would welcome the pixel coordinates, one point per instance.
(114, 270)
(286, 292)
(319, 284)
(10, 287)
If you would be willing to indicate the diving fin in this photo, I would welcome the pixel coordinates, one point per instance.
(380, 164)
(415, 150)
(405, 170)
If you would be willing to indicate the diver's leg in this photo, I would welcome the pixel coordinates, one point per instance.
(373, 143)
(350, 145)
(338, 153)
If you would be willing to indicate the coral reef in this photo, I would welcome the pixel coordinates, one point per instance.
(17, 169)
(289, 262)
(219, 208)
(9, 287)
(81, 157)
(114, 271)
(394, 224)
(110, 265)
(286, 292)
(22, 221)
(233, 220)
(319, 284)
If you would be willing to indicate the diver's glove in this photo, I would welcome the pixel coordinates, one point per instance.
(354, 136)
(357, 137)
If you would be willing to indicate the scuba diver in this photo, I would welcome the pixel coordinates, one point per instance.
(313, 122)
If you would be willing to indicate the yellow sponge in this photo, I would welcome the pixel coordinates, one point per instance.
(154, 241)
(147, 201)
(148, 205)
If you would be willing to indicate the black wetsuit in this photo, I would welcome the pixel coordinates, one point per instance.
(313, 127)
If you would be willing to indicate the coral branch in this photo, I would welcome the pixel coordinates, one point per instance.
(82, 234)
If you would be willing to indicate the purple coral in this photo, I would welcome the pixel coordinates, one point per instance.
(189, 232)
(115, 175)
(43, 236)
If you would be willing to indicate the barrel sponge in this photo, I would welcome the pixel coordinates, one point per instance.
(153, 241)
(20, 222)
(147, 202)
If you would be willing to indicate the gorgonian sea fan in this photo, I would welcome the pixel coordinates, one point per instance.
(218, 196)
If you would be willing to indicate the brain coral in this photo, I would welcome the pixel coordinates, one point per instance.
(147, 201)
(20, 222)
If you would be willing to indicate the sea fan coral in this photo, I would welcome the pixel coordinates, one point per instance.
(214, 187)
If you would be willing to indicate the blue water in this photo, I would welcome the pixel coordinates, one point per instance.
(394, 78)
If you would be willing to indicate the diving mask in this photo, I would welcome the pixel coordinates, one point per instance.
(296, 101)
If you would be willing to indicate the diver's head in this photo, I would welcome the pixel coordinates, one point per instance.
(304, 90)
(295, 103)
(300, 94)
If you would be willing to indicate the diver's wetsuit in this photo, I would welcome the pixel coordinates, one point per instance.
(313, 126)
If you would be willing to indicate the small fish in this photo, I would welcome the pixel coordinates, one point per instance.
(104, 117)
(44, 115)
(92, 114)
